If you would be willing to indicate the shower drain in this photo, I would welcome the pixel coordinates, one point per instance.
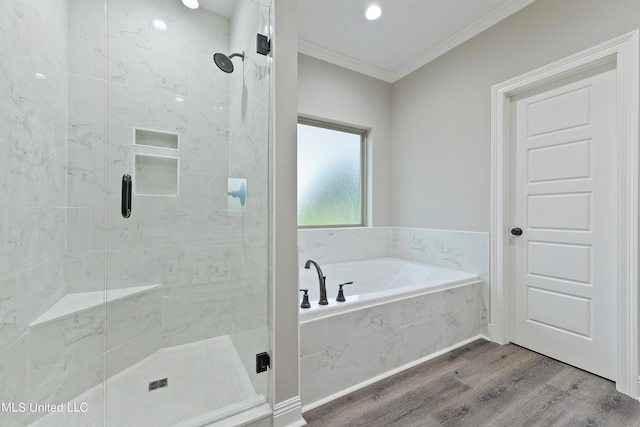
(154, 385)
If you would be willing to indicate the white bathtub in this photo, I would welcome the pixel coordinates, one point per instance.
(375, 281)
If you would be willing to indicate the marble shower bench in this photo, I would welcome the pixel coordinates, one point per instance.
(72, 304)
(68, 343)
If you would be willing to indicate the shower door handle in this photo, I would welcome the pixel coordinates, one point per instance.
(127, 184)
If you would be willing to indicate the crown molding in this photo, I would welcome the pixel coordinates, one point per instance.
(343, 61)
(487, 21)
(492, 18)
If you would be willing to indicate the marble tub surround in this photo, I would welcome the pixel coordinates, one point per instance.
(347, 351)
(343, 244)
(456, 250)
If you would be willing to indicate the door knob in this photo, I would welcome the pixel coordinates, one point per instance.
(516, 231)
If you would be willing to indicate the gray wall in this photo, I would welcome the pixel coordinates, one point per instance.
(440, 161)
(284, 279)
(329, 92)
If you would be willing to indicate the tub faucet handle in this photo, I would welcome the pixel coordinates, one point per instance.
(305, 299)
(341, 293)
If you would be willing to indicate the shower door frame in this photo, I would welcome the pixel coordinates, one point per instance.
(623, 51)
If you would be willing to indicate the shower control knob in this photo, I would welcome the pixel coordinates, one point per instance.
(516, 231)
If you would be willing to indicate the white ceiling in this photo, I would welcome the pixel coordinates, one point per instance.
(409, 34)
(221, 7)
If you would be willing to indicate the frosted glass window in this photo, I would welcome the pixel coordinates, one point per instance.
(330, 175)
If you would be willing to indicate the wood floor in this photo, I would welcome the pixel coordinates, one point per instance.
(484, 384)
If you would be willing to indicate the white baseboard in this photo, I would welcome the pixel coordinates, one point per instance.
(492, 338)
(288, 413)
(243, 418)
(387, 374)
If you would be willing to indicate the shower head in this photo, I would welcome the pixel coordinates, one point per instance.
(224, 62)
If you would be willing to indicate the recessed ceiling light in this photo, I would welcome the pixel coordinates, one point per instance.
(191, 4)
(373, 12)
(41, 76)
(159, 25)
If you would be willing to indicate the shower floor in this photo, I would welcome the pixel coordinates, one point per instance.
(206, 382)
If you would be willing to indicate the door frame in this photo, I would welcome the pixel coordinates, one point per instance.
(623, 51)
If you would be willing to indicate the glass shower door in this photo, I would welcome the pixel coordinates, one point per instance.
(139, 301)
(187, 175)
(52, 314)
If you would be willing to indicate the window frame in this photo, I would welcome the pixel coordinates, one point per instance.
(364, 135)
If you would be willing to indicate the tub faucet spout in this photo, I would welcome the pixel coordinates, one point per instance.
(321, 279)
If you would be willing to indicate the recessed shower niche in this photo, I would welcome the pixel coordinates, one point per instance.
(154, 138)
(156, 174)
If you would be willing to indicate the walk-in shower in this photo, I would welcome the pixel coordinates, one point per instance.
(149, 314)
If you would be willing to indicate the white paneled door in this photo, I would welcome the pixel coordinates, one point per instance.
(566, 207)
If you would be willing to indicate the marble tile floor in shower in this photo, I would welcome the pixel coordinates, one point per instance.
(206, 380)
(483, 384)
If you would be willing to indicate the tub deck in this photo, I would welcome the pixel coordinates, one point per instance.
(376, 281)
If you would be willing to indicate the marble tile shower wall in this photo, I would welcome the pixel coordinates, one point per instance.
(161, 81)
(33, 170)
(167, 81)
(60, 233)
